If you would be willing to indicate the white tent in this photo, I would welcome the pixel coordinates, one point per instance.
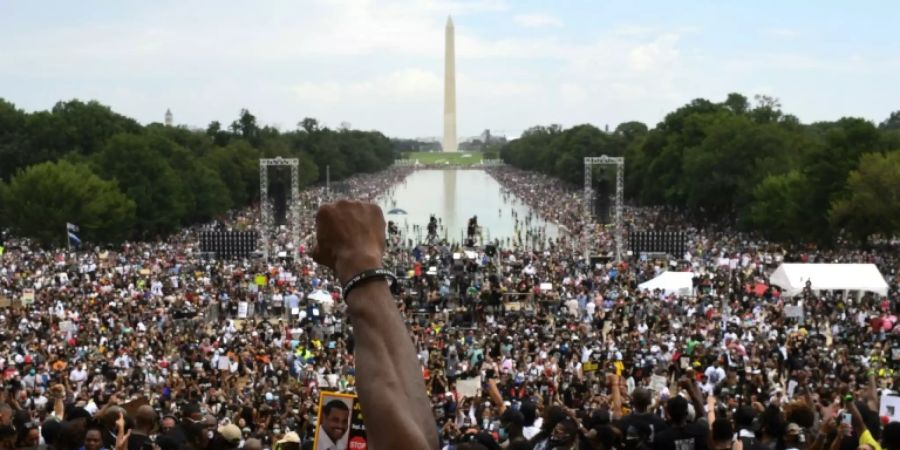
(792, 278)
(679, 283)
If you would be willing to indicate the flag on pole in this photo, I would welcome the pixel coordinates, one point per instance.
(71, 229)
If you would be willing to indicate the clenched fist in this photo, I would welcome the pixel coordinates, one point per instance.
(349, 237)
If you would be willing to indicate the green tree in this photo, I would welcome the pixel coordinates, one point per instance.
(892, 122)
(779, 208)
(309, 125)
(41, 199)
(13, 152)
(143, 173)
(737, 103)
(871, 202)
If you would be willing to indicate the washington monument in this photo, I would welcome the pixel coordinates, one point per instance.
(449, 89)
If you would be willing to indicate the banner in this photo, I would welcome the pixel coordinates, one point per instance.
(340, 423)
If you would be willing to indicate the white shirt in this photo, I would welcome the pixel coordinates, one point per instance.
(77, 375)
(325, 442)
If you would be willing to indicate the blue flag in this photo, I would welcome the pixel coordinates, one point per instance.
(74, 240)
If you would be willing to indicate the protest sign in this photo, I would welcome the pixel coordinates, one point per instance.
(657, 383)
(132, 407)
(243, 308)
(793, 311)
(468, 387)
(340, 423)
(890, 407)
(27, 296)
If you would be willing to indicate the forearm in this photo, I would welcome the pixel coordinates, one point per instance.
(617, 397)
(872, 393)
(389, 382)
(696, 399)
(495, 395)
(836, 444)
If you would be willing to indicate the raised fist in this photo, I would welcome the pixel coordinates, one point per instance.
(349, 237)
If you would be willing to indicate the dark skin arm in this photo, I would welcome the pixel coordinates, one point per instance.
(391, 388)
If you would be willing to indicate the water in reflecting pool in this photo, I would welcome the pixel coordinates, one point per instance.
(454, 196)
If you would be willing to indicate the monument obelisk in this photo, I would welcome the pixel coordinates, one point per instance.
(449, 142)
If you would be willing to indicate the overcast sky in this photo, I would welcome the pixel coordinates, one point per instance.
(379, 64)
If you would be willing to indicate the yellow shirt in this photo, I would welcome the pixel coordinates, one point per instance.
(867, 439)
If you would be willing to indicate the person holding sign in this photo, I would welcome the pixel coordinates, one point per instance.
(351, 240)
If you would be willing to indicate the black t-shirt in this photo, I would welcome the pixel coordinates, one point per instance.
(137, 441)
(643, 422)
(689, 437)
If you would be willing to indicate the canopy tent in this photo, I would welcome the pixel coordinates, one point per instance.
(679, 283)
(792, 278)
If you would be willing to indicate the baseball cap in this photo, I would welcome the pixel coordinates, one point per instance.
(231, 433)
(290, 437)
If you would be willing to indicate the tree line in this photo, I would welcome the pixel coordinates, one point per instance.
(742, 163)
(83, 163)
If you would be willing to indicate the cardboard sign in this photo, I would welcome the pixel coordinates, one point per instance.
(469, 387)
(590, 367)
(340, 423)
(132, 406)
(5, 302)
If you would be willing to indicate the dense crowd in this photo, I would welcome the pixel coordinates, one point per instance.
(522, 343)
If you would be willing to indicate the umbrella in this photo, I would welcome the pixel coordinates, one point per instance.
(397, 211)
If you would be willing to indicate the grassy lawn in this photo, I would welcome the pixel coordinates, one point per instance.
(459, 158)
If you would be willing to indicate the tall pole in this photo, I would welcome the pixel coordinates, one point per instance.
(328, 182)
(263, 207)
(449, 143)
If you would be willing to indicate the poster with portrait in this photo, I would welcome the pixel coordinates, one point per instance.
(339, 423)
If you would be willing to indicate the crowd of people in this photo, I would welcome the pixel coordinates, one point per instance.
(521, 342)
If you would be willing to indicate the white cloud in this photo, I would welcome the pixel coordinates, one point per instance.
(405, 84)
(661, 52)
(378, 64)
(537, 20)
